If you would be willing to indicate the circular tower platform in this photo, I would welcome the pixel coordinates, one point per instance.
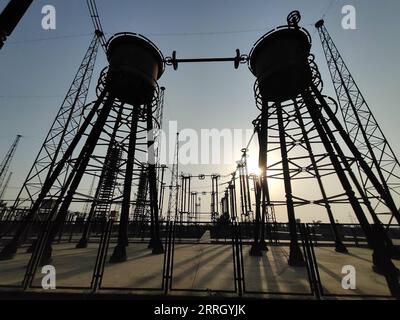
(279, 60)
(135, 66)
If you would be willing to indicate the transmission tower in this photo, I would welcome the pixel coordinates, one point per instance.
(61, 133)
(3, 188)
(174, 186)
(214, 197)
(5, 164)
(141, 211)
(364, 131)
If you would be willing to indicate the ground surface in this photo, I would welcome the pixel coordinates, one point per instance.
(207, 267)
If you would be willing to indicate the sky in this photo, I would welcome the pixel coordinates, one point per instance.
(37, 65)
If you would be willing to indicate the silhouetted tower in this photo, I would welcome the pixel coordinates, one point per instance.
(194, 207)
(10, 17)
(103, 199)
(214, 197)
(186, 197)
(245, 199)
(141, 211)
(121, 117)
(173, 198)
(5, 164)
(299, 123)
(157, 146)
(230, 199)
(364, 130)
(4, 187)
(159, 118)
(61, 134)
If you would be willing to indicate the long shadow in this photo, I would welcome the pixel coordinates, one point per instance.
(184, 261)
(361, 258)
(216, 272)
(187, 270)
(146, 278)
(337, 278)
(271, 281)
(255, 277)
(200, 252)
(139, 282)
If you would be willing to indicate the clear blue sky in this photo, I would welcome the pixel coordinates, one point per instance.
(35, 75)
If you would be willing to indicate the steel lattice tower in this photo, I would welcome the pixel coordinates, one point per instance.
(61, 133)
(121, 121)
(5, 164)
(363, 130)
(141, 211)
(4, 187)
(299, 124)
(173, 198)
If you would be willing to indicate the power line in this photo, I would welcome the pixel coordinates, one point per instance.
(30, 97)
(328, 8)
(50, 38)
(184, 34)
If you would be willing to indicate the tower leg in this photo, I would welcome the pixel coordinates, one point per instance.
(395, 253)
(83, 241)
(381, 258)
(75, 178)
(155, 241)
(10, 249)
(255, 247)
(262, 130)
(295, 255)
(339, 246)
(119, 254)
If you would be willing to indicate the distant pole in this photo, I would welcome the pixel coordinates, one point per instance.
(5, 164)
(5, 186)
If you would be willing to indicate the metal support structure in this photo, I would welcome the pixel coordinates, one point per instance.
(173, 198)
(364, 131)
(237, 60)
(141, 202)
(296, 257)
(5, 164)
(110, 121)
(162, 190)
(214, 197)
(373, 233)
(301, 119)
(297, 123)
(339, 246)
(64, 128)
(155, 241)
(85, 209)
(119, 253)
(4, 187)
(260, 184)
(186, 199)
(246, 183)
(106, 185)
(11, 16)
